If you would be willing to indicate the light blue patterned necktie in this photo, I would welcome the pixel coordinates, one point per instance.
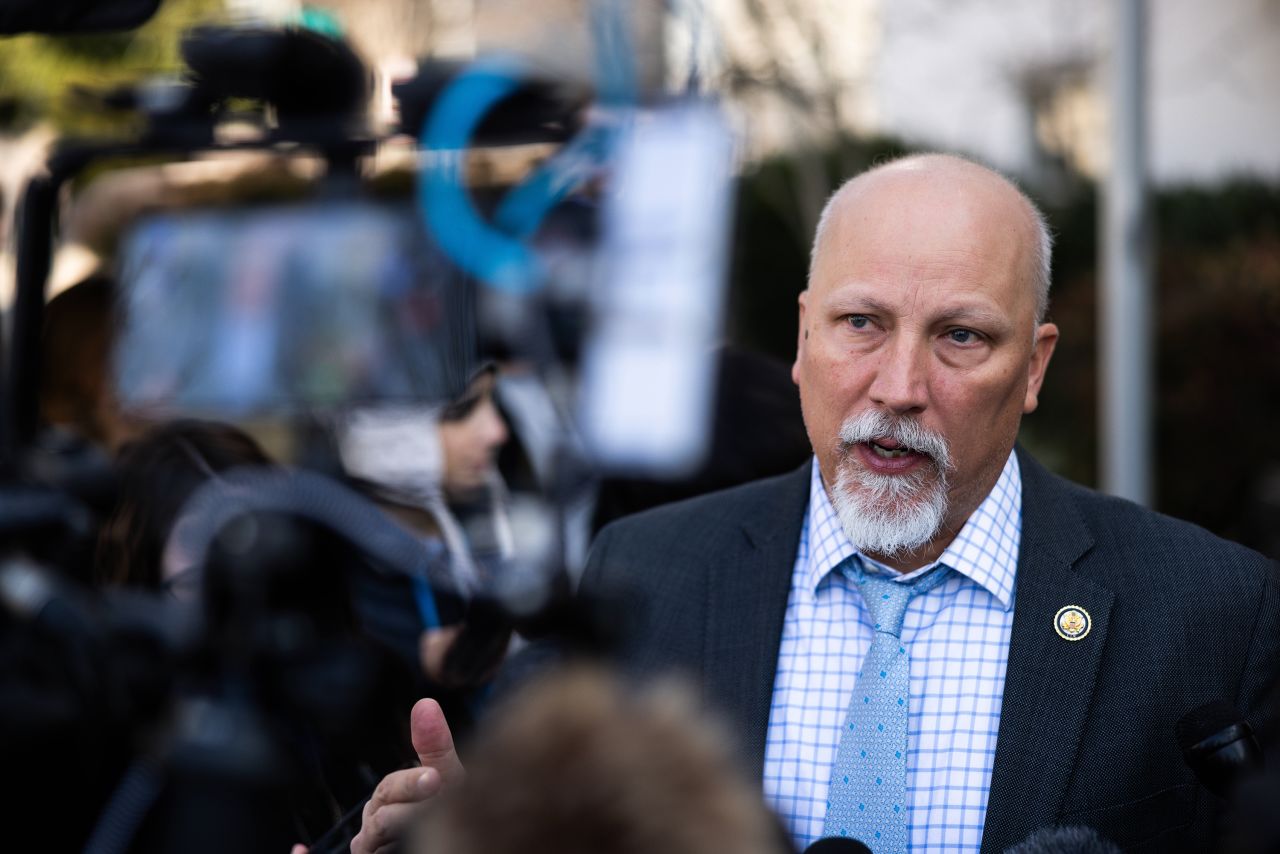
(867, 799)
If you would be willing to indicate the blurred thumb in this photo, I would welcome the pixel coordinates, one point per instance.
(433, 742)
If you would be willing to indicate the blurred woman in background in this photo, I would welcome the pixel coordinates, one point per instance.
(157, 473)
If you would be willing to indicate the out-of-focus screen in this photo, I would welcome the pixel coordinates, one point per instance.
(277, 310)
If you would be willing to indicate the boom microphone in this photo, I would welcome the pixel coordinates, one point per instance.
(300, 72)
(73, 16)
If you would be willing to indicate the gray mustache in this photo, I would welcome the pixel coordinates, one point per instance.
(877, 424)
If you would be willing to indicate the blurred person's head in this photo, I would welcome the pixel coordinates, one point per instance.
(75, 384)
(921, 346)
(434, 470)
(580, 763)
(472, 431)
(157, 473)
(448, 450)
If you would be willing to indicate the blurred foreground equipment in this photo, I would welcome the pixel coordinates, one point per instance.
(263, 709)
(73, 16)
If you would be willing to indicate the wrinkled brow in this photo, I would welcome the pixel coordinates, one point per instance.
(965, 313)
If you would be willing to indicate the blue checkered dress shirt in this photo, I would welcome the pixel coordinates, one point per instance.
(958, 636)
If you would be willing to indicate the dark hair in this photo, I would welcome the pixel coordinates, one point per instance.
(156, 474)
(76, 344)
(461, 407)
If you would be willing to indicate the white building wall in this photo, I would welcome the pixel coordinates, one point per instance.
(950, 74)
(1215, 106)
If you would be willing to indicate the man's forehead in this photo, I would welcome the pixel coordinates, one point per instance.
(914, 226)
(931, 246)
(920, 202)
(967, 282)
(928, 191)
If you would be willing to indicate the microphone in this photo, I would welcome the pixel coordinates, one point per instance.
(74, 16)
(1218, 745)
(1072, 839)
(837, 845)
(300, 72)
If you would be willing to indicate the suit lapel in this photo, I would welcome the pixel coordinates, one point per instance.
(746, 603)
(1049, 681)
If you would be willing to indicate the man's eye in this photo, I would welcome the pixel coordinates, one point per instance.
(858, 321)
(963, 336)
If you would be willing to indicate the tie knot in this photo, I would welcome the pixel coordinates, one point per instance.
(887, 600)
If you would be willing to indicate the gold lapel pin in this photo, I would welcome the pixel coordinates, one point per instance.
(1072, 622)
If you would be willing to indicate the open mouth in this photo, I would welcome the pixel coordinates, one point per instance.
(890, 449)
(888, 445)
(889, 456)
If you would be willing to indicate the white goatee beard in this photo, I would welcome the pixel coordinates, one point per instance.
(889, 515)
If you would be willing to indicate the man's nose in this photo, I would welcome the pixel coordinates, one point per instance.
(900, 384)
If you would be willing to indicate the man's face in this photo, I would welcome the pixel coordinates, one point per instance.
(917, 332)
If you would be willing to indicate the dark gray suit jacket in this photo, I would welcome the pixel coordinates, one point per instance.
(1086, 736)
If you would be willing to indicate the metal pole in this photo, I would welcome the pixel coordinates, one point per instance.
(1126, 309)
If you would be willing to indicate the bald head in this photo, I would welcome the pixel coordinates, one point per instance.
(921, 347)
(918, 184)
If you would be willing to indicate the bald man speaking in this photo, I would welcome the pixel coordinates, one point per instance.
(925, 640)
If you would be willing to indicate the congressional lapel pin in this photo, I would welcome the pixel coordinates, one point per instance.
(1072, 622)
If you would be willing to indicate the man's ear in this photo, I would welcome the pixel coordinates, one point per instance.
(801, 335)
(1041, 353)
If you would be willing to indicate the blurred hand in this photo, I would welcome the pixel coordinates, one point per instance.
(466, 656)
(433, 646)
(401, 794)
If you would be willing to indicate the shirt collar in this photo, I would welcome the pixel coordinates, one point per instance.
(985, 550)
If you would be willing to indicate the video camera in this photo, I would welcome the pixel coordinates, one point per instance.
(269, 708)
